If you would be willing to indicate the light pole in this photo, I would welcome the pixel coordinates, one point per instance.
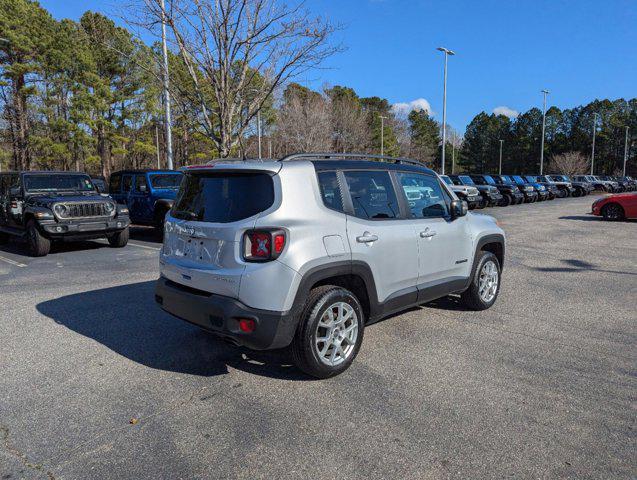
(453, 157)
(169, 138)
(545, 92)
(593, 149)
(382, 134)
(447, 52)
(259, 130)
(500, 171)
(625, 151)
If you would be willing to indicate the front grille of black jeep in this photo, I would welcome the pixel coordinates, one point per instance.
(85, 209)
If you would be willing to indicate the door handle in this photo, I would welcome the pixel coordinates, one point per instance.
(367, 238)
(427, 234)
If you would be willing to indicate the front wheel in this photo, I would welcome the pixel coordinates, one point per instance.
(39, 245)
(485, 284)
(119, 239)
(613, 212)
(330, 332)
(506, 201)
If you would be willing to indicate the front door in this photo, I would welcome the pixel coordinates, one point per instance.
(381, 239)
(444, 245)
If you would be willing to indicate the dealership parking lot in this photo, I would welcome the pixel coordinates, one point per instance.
(96, 381)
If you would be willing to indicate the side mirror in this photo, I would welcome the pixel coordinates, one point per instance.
(14, 192)
(459, 208)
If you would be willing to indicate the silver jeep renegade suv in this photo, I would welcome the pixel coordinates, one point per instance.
(307, 251)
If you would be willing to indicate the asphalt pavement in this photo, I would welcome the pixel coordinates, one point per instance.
(97, 382)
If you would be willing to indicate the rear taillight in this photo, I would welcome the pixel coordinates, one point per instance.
(263, 245)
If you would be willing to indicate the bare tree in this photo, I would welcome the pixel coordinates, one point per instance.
(237, 52)
(349, 125)
(305, 123)
(570, 163)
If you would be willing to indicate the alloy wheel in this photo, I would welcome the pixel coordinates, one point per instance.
(336, 334)
(488, 284)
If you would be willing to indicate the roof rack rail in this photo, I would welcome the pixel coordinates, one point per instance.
(351, 156)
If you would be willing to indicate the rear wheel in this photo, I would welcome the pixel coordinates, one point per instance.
(330, 332)
(39, 245)
(485, 284)
(612, 211)
(119, 239)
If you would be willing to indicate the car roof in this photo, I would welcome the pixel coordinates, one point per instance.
(322, 165)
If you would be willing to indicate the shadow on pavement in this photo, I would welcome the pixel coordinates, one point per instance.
(593, 218)
(575, 265)
(127, 320)
(145, 234)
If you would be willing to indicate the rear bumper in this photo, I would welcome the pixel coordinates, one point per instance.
(219, 315)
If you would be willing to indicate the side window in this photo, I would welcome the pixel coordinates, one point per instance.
(115, 184)
(127, 183)
(330, 190)
(140, 181)
(372, 194)
(425, 195)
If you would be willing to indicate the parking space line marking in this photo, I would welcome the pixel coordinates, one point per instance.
(12, 262)
(144, 246)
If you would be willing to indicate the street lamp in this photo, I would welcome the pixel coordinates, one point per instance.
(545, 92)
(382, 134)
(165, 81)
(595, 115)
(447, 52)
(500, 171)
(625, 151)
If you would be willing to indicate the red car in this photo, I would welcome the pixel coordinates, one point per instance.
(617, 206)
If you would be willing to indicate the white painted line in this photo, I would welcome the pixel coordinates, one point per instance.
(12, 262)
(144, 246)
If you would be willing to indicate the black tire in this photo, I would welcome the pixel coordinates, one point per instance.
(305, 354)
(471, 296)
(4, 238)
(39, 245)
(613, 212)
(506, 201)
(119, 239)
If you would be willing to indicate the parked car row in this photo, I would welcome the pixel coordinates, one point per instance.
(505, 190)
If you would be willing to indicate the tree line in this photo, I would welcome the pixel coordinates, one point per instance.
(87, 95)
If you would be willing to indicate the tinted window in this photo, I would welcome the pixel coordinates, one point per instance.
(116, 183)
(424, 195)
(51, 183)
(466, 180)
(223, 197)
(330, 190)
(446, 179)
(165, 180)
(140, 181)
(127, 183)
(372, 194)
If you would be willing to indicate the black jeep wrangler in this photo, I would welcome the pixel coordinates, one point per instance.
(48, 206)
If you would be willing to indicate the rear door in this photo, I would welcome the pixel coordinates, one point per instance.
(139, 199)
(444, 245)
(380, 238)
(205, 228)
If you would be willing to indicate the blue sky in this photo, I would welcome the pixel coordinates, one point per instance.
(507, 51)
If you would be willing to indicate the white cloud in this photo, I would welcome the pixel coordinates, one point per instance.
(506, 111)
(418, 104)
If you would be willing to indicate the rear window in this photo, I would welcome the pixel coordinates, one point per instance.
(165, 180)
(223, 197)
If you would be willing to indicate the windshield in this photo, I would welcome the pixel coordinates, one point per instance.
(446, 179)
(488, 179)
(166, 180)
(518, 179)
(466, 180)
(223, 197)
(504, 179)
(58, 182)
